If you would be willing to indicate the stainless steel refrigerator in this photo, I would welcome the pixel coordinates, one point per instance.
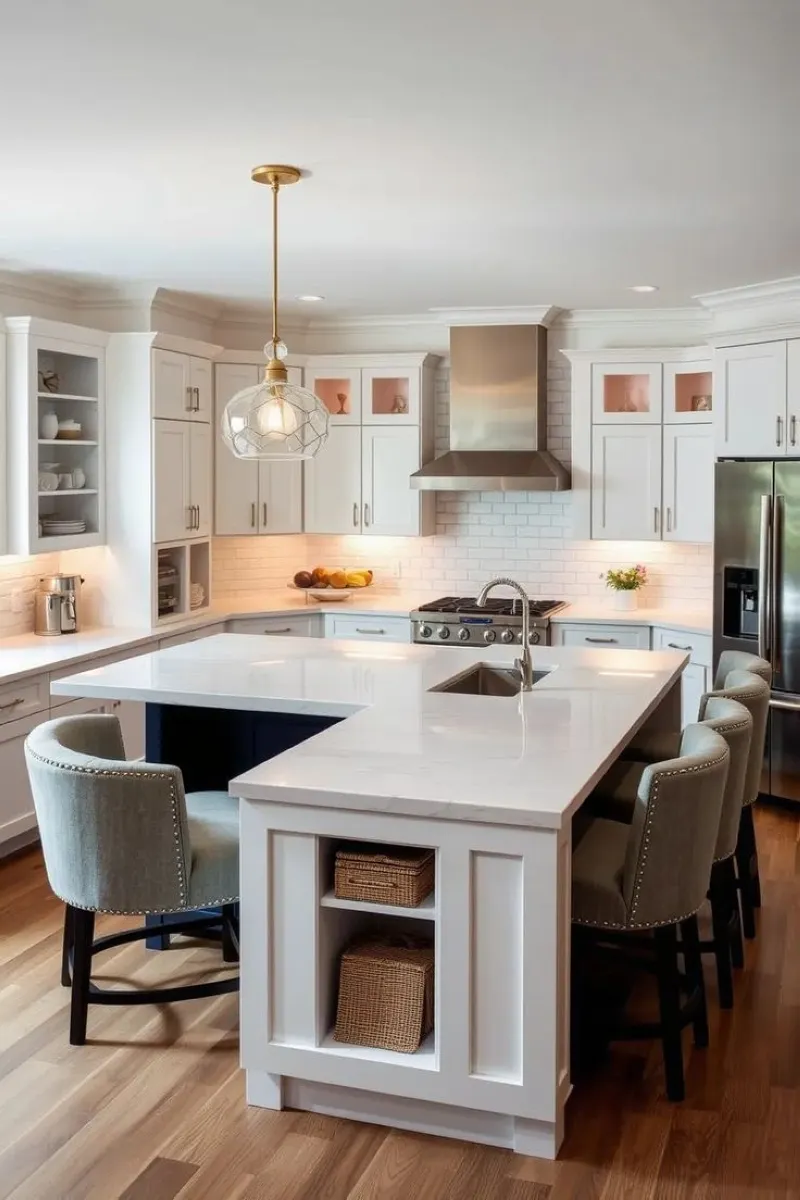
(757, 595)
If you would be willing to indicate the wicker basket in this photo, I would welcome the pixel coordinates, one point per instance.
(386, 993)
(401, 875)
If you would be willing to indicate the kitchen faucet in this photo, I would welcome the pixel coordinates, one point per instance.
(524, 664)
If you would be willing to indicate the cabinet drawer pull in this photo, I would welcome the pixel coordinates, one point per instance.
(675, 646)
(778, 430)
(355, 514)
(288, 629)
(603, 641)
(264, 513)
(375, 632)
(12, 703)
(253, 515)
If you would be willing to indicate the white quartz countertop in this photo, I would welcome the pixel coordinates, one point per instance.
(28, 654)
(404, 749)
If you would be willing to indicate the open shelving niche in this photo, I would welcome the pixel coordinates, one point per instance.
(177, 566)
(340, 921)
(78, 398)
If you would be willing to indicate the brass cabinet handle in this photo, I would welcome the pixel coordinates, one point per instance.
(602, 641)
(197, 399)
(197, 526)
(355, 514)
(253, 515)
(189, 517)
(778, 430)
(264, 513)
(12, 703)
(189, 399)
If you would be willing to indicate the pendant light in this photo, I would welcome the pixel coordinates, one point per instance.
(275, 419)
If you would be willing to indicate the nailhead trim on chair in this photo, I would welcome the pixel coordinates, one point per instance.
(651, 807)
(183, 891)
(149, 912)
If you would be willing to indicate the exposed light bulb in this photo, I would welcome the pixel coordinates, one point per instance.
(277, 420)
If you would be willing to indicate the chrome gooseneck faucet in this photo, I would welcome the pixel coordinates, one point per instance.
(524, 664)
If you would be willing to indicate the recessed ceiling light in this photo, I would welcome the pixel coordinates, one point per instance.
(644, 287)
(311, 299)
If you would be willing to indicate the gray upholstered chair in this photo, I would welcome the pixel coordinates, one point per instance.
(651, 876)
(751, 689)
(122, 837)
(739, 660)
(616, 796)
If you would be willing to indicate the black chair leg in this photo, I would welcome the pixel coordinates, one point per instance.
(720, 922)
(735, 915)
(66, 948)
(230, 934)
(690, 937)
(747, 871)
(82, 939)
(666, 946)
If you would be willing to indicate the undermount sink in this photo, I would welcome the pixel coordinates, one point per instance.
(483, 680)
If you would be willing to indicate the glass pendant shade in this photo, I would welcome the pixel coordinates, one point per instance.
(275, 420)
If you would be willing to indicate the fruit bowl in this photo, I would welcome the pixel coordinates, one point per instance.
(339, 584)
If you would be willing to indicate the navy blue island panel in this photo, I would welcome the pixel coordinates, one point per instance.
(214, 745)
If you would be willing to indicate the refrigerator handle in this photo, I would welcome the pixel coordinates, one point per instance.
(764, 577)
(775, 585)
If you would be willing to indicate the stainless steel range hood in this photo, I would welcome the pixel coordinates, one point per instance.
(498, 415)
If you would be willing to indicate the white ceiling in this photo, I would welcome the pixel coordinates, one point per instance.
(462, 152)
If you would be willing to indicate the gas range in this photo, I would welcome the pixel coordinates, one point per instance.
(457, 620)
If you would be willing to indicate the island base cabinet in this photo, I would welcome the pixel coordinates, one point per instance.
(496, 1066)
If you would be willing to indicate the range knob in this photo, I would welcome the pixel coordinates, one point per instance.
(489, 635)
(425, 631)
(463, 634)
(507, 636)
(443, 632)
(535, 638)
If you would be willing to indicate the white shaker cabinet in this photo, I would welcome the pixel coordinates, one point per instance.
(626, 482)
(389, 456)
(181, 386)
(688, 508)
(181, 480)
(332, 484)
(751, 411)
(252, 497)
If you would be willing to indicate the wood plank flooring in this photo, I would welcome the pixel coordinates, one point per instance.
(152, 1108)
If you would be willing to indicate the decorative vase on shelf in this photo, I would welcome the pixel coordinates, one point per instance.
(626, 601)
(48, 426)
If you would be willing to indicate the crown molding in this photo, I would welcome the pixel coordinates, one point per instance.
(61, 331)
(186, 305)
(542, 314)
(770, 309)
(606, 318)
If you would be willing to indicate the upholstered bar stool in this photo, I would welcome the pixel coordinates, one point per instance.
(616, 797)
(651, 877)
(751, 689)
(738, 660)
(122, 837)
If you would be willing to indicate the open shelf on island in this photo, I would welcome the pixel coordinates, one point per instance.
(422, 1059)
(423, 912)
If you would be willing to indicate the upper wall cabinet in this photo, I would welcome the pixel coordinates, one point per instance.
(759, 400)
(55, 437)
(642, 445)
(182, 386)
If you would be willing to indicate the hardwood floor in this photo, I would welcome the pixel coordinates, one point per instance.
(152, 1108)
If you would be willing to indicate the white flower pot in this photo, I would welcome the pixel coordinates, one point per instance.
(625, 601)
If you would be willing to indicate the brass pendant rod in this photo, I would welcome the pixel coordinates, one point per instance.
(275, 339)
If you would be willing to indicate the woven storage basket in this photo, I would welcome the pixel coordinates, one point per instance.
(386, 993)
(397, 875)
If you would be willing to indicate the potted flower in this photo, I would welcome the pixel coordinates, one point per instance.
(625, 583)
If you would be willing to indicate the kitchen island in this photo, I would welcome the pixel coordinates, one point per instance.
(489, 782)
